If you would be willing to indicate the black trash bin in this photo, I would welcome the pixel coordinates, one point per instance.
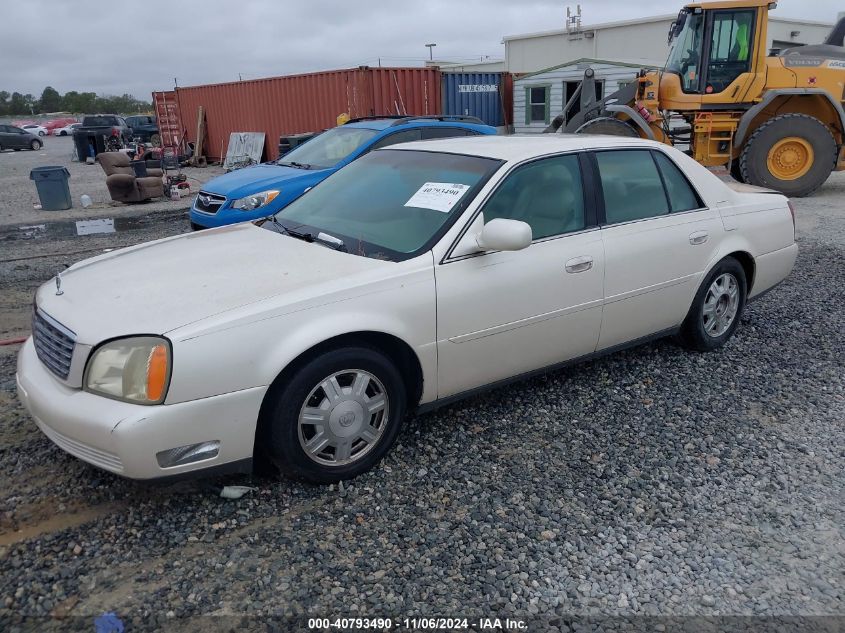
(85, 142)
(53, 190)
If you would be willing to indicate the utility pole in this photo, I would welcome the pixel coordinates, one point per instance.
(431, 51)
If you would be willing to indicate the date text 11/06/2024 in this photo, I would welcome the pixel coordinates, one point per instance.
(416, 624)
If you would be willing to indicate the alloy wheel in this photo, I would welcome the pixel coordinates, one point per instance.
(343, 417)
(721, 304)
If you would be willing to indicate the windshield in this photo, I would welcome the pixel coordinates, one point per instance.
(329, 148)
(390, 204)
(685, 54)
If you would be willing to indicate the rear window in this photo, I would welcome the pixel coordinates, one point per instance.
(96, 121)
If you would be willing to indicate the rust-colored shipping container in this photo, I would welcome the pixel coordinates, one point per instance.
(304, 103)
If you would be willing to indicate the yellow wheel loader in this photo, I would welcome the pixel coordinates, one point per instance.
(775, 120)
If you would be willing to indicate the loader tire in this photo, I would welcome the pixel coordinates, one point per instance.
(792, 153)
(608, 126)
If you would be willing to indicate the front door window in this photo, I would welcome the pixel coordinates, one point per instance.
(730, 49)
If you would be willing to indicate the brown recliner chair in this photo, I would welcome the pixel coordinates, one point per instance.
(122, 183)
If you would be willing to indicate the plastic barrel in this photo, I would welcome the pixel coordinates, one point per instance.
(53, 191)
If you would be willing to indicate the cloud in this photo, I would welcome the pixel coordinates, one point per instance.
(116, 48)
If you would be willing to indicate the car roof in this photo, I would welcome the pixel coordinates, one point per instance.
(518, 147)
(383, 124)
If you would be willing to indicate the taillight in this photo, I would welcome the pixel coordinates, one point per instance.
(792, 211)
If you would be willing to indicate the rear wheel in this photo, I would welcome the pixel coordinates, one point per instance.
(155, 140)
(717, 307)
(793, 153)
(337, 416)
(608, 126)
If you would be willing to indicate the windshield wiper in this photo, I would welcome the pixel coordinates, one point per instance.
(293, 233)
(293, 163)
(321, 238)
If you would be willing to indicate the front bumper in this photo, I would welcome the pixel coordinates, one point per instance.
(124, 438)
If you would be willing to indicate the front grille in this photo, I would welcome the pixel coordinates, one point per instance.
(53, 343)
(209, 202)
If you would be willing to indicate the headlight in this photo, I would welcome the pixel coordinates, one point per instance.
(255, 200)
(135, 369)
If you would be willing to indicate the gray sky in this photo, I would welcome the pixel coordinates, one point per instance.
(113, 47)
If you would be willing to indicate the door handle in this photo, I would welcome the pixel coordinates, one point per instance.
(579, 264)
(699, 238)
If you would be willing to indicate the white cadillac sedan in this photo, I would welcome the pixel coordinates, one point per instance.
(417, 275)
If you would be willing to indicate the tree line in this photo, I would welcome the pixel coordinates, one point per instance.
(16, 103)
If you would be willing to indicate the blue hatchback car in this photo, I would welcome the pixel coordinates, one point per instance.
(258, 191)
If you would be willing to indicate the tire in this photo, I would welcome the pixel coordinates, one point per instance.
(62, 133)
(697, 331)
(197, 227)
(155, 140)
(41, 133)
(36, 145)
(608, 126)
(759, 158)
(286, 433)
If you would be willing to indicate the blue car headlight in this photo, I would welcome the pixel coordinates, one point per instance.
(255, 200)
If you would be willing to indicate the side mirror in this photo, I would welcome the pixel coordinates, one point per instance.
(504, 235)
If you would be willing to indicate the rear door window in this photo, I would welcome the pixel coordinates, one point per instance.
(632, 186)
(442, 132)
(405, 136)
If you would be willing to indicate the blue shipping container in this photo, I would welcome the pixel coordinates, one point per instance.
(483, 95)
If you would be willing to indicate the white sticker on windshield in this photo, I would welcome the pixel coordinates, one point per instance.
(438, 196)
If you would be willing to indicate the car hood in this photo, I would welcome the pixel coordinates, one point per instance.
(243, 182)
(156, 287)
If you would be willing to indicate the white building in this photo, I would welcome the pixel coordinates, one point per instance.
(539, 97)
(642, 42)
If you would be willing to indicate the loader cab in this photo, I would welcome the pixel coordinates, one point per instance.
(713, 54)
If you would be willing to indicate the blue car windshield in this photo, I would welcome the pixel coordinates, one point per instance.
(327, 149)
(389, 204)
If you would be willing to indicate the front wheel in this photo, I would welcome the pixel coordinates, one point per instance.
(35, 145)
(792, 153)
(717, 307)
(336, 417)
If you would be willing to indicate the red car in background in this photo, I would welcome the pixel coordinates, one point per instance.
(52, 124)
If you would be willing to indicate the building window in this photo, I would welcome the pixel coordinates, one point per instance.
(537, 106)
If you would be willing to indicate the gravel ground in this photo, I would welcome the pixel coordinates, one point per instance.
(18, 194)
(652, 482)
